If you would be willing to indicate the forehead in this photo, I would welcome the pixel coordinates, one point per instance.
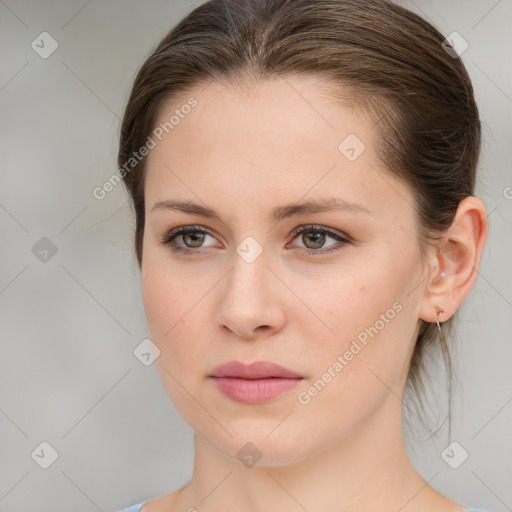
(271, 140)
(277, 114)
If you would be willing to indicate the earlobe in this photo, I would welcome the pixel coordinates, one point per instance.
(458, 257)
(439, 312)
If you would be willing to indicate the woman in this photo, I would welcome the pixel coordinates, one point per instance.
(302, 174)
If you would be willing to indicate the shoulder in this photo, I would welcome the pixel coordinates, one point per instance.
(152, 505)
(163, 503)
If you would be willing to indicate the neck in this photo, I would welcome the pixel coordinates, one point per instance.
(369, 469)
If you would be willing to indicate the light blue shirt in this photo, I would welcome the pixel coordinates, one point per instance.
(138, 506)
(134, 508)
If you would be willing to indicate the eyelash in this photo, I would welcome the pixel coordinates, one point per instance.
(170, 237)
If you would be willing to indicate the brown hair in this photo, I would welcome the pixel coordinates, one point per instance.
(390, 60)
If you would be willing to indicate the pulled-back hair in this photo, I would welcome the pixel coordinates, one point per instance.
(388, 60)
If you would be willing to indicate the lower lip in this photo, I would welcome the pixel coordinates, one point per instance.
(254, 391)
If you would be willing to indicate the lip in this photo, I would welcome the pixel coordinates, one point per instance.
(256, 370)
(255, 383)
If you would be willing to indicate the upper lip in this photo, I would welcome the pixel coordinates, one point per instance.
(256, 370)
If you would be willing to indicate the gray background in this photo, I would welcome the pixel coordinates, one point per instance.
(69, 325)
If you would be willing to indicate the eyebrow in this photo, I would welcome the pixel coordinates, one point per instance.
(278, 214)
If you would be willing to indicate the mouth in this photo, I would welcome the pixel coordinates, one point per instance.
(255, 383)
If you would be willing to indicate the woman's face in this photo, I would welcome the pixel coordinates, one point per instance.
(342, 315)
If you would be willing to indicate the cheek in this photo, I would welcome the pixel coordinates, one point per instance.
(175, 316)
(354, 371)
(365, 316)
(174, 332)
(164, 292)
(159, 305)
(340, 302)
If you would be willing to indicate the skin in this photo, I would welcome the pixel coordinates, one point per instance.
(242, 152)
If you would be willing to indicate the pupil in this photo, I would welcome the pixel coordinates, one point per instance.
(195, 238)
(318, 239)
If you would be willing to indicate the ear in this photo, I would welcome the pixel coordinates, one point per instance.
(456, 262)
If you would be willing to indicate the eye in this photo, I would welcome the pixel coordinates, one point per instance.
(314, 239)
(193, 237)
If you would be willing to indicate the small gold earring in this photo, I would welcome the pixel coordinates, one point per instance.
(439, 311)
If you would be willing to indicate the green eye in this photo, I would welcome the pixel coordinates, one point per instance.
(313, 238)
(192, 236)
(314, 243)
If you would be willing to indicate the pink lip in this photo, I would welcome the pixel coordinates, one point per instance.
(255, 383)
(256, 370)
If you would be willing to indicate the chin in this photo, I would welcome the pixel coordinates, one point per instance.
(253, 446)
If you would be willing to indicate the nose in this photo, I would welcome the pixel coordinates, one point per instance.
(251, 305)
